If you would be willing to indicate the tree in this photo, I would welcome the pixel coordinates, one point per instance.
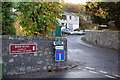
(74, 8)
(98, 16)
(7, 19)
(39, 18)
(113, 10)
(104, 11)
(98, 20)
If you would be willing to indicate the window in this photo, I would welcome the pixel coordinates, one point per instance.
(70, 17)
(62, 24)
(64, 17)
(66, 25)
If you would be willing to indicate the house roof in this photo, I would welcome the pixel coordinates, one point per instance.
(66, 13)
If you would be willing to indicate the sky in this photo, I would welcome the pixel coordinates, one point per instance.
(76, 1)
(83, 1)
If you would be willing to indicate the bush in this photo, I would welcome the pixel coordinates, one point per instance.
(7, 19)
(83, 38)
(78, 29)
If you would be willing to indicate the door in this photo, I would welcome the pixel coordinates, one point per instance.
(58, 31)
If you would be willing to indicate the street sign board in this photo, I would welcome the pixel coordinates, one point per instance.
(59, 55)
(22, 48)
(59, 47)
(58, 43)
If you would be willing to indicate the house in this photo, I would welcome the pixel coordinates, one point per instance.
(70, 21)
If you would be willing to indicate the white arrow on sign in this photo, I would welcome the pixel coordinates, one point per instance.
(59, 56)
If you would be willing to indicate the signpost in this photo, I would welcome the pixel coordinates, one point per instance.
(22, 48)
(59, 47)
(59, 55)
(58, 43)
(59, 50)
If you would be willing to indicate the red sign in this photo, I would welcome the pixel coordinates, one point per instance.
(22, 48)
(59, 52)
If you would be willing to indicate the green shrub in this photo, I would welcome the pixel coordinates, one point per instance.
(78, 29)
(7, 19)
(83, 38)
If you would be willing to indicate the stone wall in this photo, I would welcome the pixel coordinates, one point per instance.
(43, 60)
(106, 39)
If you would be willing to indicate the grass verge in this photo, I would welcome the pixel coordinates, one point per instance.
(84, 38)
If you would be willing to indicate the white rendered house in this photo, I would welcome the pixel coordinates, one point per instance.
(71, 21)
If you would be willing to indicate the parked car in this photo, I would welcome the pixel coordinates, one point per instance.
(81, 32)
(67, 31)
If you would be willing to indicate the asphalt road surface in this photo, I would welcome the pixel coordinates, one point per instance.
(96, 62)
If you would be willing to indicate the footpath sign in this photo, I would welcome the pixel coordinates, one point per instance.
(22, 48)
(58, 43)
(59, 55)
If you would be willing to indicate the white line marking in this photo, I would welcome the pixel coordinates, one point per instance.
(109, 76)
(93, 72)
(116, 75)
(84, 69)
(90, 68)
(102, 71)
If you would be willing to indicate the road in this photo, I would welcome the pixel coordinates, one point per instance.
(96, 62)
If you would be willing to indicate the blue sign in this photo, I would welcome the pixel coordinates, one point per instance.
(59, 55)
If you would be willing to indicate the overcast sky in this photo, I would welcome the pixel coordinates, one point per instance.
(83, 1)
